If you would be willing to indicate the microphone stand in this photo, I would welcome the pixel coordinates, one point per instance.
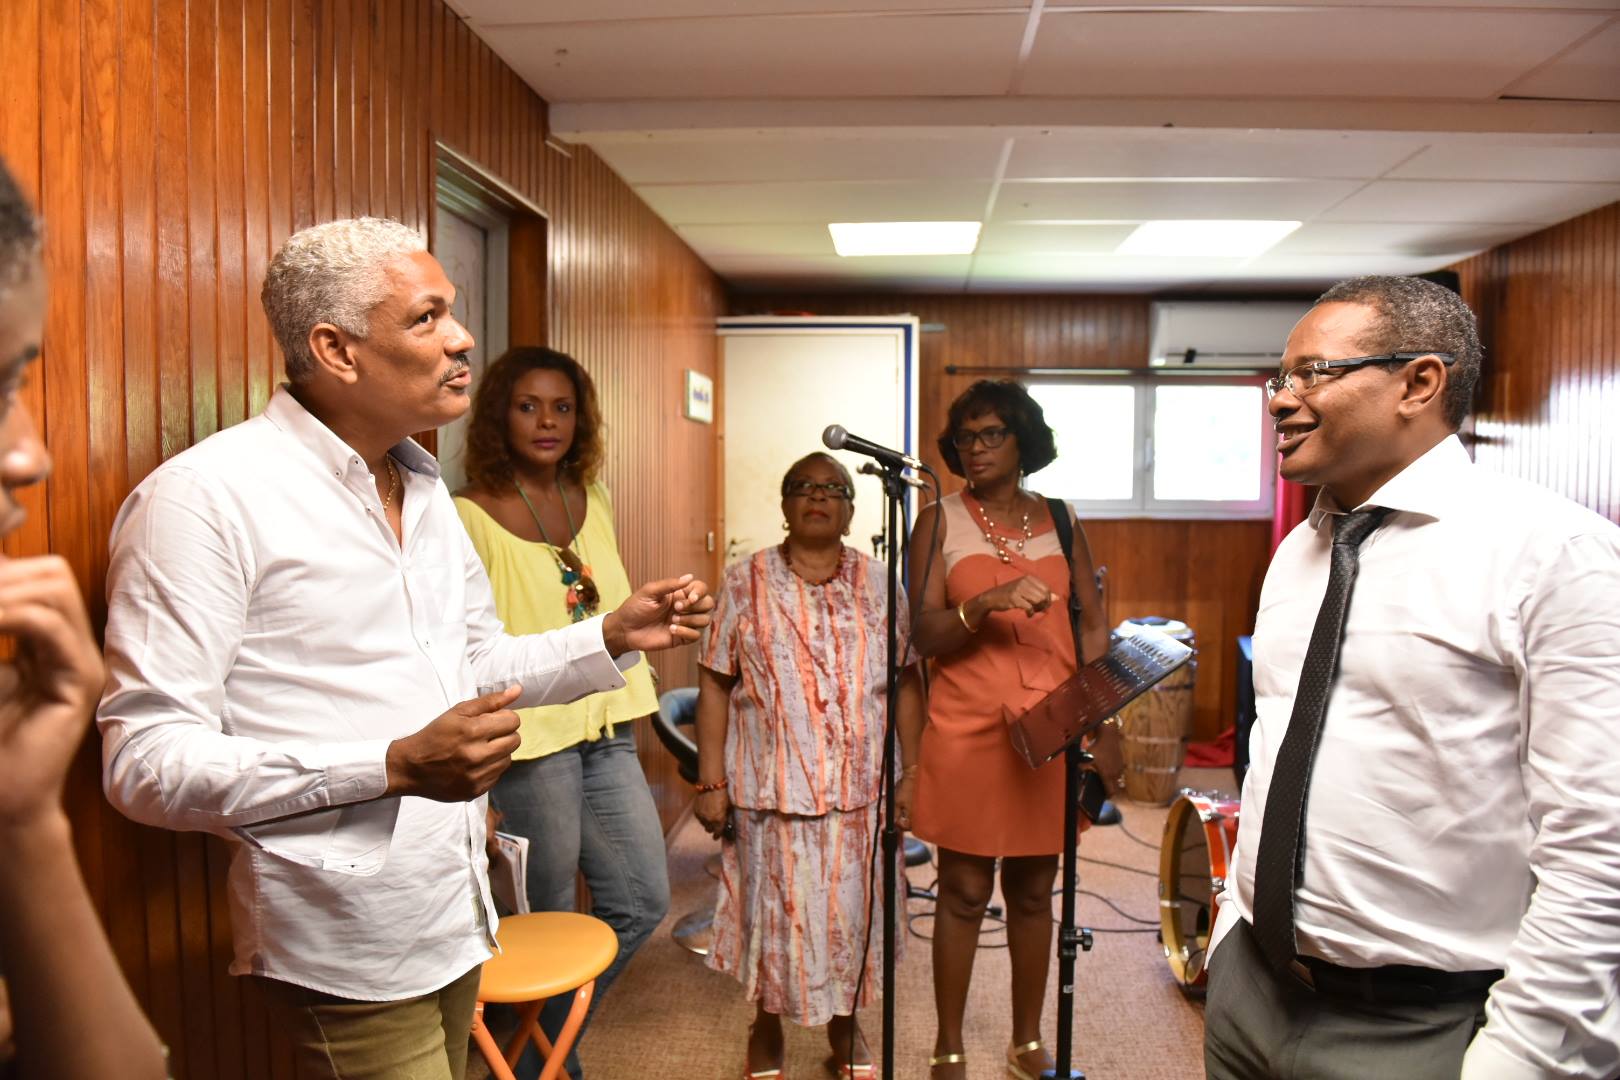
(1071, 939)
(894, 489)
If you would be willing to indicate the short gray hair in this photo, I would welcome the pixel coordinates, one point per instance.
(335, 273)
(1415, 315)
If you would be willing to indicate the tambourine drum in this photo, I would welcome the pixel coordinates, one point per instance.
(1197, 848)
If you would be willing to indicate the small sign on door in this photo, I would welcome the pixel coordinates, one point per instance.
(699, 397)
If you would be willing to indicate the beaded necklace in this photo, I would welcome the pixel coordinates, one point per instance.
(583, 597)
(996, 540)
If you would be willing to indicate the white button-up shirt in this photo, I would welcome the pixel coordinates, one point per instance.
(267, 638)
(1464, 806)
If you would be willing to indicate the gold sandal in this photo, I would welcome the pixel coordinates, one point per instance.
(946, 1059)
(1014, 1069)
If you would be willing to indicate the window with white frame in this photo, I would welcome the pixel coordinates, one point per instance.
(1141, 444)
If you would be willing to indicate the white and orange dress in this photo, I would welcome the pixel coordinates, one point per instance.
(975, 794)
(804, 755)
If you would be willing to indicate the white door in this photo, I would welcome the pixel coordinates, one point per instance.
(782, 388)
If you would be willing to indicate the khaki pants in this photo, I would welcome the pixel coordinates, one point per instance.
(336, 1038)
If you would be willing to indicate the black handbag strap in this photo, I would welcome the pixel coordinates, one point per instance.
(1065, 532)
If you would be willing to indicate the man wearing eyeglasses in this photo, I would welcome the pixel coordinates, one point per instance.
(1426, 881)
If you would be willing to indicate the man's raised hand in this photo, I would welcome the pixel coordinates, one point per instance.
(461, 754)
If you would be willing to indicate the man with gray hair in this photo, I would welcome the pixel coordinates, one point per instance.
(304, 659)
(1426, 881)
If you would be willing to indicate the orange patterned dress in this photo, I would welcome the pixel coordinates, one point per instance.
(804, 756)
(975, 794)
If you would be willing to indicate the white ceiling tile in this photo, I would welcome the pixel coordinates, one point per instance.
(1590, 71)
(939, 271)
(1486, 201)
(506, 12)
(720, 204)
(1505, 161)
(1273, 200)
(1063, 273)
(727, 241)
(670, 159)
(1177, 152)
(1295, 52)
(1029, 239)
(857, 56)
(1416, 239)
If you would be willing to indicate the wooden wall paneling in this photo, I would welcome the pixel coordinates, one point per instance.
(258, 362)
(1549, 307)
(201, 238)
(230, 216)
(327, 49)
(118, 869)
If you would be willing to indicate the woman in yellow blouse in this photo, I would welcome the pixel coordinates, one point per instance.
(543, 525)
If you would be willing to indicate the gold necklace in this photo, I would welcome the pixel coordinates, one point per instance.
(393, 482)
(998, 542)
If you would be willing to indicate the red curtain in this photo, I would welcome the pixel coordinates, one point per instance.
(1292, 505)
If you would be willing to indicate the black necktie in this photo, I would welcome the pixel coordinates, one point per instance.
(1276, 868)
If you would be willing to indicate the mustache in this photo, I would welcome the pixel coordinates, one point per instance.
(463, 365)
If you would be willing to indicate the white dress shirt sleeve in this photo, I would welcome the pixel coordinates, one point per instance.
(553, 668)
(179, 587)
(1556, 1013)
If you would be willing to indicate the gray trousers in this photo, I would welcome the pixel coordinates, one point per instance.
(1262, 1026)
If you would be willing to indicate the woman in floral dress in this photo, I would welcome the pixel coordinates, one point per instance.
(791, 714)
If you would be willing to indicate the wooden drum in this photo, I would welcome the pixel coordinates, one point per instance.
(1155, 726)
(1193, 861)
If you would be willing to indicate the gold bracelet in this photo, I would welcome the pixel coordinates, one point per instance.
(909, 770)
(704, 789)
(961, 613)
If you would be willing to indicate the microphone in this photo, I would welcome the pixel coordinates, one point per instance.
(836, 438)
(871, 469)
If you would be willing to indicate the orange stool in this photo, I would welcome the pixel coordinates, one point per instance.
(542, 955)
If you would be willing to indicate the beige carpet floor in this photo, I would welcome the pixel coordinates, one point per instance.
(669, 1016)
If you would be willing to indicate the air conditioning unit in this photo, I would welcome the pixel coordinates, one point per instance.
(1231, 334)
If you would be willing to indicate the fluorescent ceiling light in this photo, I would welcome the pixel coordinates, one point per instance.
(1232, 239)
(851, 238)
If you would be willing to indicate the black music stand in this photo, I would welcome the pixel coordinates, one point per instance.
(1056, 725)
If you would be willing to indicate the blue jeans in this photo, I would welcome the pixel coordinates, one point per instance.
(587, 810)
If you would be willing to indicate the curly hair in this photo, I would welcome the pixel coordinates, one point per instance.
(489, 449)
(1007, 398)
(1414, 315)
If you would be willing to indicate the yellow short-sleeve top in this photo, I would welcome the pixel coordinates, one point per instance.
(530, 597)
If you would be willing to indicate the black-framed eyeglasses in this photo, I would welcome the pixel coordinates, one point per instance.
(992, 437)
(803, 489)
(1299, 379)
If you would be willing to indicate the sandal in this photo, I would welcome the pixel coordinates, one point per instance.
(850, 1070)
(1014, 1069)
(946, 1059)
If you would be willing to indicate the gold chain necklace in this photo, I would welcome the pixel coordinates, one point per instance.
(393, 482)
(998, 542)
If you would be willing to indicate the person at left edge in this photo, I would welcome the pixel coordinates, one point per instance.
(304, 658)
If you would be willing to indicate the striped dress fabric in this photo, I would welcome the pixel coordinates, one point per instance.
(804, 751)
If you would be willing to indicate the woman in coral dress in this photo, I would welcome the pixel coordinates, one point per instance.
(994, 616)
